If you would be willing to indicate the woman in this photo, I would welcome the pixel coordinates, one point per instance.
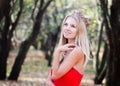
(72, 53)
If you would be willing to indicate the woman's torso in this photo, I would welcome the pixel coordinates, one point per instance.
(74, 76)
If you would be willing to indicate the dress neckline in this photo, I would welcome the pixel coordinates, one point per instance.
(77, 71)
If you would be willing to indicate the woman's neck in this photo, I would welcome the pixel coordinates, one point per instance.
(71, 41)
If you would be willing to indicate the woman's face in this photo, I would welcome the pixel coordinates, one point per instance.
(70, 29)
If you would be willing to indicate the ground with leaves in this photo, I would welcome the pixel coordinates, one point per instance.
(34, 71)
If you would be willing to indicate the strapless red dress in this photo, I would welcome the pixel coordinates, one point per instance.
(72, 78)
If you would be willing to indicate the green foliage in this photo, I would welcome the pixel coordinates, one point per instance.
(54, 16)
(89, 8)
(24, 27)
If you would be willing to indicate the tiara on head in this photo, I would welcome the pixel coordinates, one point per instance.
(85, 19)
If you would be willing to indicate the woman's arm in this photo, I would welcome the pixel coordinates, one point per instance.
(49, 81)
(56, 62)
(75, 56)
(56, 55)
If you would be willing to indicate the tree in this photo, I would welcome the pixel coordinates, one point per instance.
(101, 64)
(26, 44)
(112, 26)
(51, 35)
(6, 31)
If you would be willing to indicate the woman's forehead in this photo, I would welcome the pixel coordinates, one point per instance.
(70, 19)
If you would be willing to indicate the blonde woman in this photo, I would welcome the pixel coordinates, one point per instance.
(72, 53)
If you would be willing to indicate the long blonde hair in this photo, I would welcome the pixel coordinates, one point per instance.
(81, 38)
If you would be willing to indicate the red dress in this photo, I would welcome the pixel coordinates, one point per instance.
(72, 78)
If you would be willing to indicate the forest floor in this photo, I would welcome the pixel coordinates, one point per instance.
(35, 71)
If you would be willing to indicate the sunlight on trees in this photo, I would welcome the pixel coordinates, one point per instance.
(37, 23)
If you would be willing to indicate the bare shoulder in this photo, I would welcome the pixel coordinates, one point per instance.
(77, 50)
(77, 53)
(78, 56)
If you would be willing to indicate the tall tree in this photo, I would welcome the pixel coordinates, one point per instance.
(6, 31)
(101, 64)
(26, 44)
(112, 23)
(52, 36)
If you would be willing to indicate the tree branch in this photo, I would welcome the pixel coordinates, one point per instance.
(13, 3)
(33, 10)
(41, 3)
(14, 24)
(46, 5)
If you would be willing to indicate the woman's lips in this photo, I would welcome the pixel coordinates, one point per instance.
(67, 32)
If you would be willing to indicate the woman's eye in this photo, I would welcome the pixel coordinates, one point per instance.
(73, 26)
(65, 24)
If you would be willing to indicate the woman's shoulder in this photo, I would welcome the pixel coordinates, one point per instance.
(78, 51)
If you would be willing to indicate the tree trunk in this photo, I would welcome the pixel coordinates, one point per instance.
(113, 72)
(98, 50)
(19, 60)
(4, 41)
(6, 34)
(51, 39)
(51, 43)
(102, 67)
(4, 52)
(112, 24)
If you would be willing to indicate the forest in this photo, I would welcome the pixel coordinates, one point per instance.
(29, 33)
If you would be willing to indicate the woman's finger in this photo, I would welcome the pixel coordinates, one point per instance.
(71, 45)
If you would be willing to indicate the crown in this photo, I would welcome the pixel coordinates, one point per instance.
(85, 19)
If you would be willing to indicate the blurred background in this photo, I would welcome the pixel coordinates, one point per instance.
(29, 33)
